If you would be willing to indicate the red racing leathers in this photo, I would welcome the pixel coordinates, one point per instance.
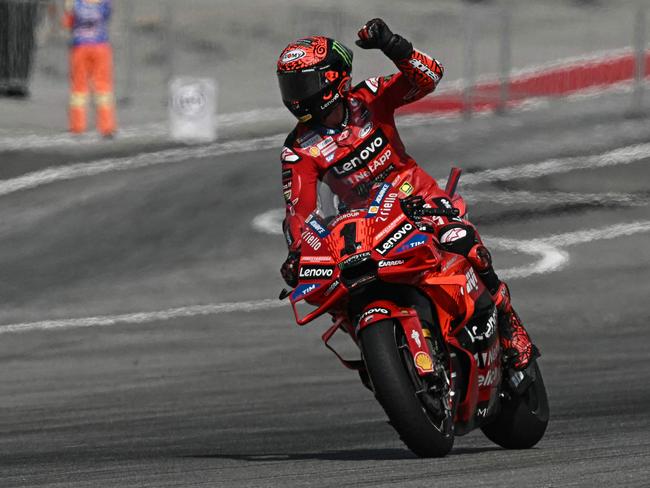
(366, 150)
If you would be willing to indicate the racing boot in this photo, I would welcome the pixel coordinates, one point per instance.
(518, 350)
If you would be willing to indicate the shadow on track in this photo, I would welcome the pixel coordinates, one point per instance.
(341, 455)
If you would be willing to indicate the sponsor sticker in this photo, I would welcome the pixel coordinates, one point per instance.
(423, 361)
(453, 235)
(292, 55)
(406, 188)
(329, 149)
(325, 142)
(420, 66)
(374, 205)
(366, 152)
(311, 239)
(309, 139)
(344, 135)
(386, 207)
(289, 156)
(303, 290)
(356, 259)
(318, 227)
(314, 151)
(415, 335)
(335, 284)
(415, 241)
(365, 130)
(443, 202)
(390, 263)
(472, 281)
(371, 312)
(312, 272)
(373, 84)
(397, 236)
(483, 331)
(345, 216)
(316, 259)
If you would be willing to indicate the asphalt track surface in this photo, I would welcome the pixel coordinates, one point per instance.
(249, 399)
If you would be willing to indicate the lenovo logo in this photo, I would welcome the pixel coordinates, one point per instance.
(361, 156)
(395, 238)
(316, 271)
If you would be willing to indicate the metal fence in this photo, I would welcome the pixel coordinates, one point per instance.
(237, 43)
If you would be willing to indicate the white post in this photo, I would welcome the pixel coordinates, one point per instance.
(192, 109)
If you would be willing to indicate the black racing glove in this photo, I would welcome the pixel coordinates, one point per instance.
(289, 269)
(376, 35)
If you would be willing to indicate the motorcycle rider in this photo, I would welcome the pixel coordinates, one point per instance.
(346, 137)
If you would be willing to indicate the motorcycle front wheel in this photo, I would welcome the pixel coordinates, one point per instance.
(405, 399)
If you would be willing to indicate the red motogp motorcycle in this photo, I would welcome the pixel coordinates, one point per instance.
(424, 322)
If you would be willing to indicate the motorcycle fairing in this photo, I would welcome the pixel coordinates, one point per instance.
(410, 322)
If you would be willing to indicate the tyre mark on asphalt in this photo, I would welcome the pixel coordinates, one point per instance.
(547, 249)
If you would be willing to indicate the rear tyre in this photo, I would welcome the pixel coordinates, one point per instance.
(396, 393)
(522, 421)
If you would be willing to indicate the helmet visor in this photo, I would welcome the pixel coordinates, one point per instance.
(300, 85)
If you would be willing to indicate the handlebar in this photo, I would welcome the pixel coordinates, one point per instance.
(442, 212)
(413, 207)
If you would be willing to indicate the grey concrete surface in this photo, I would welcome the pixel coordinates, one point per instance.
(251, 400)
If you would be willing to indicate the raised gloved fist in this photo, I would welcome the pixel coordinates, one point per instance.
(289, 269)
(376, 35)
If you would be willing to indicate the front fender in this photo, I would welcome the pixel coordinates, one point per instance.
(409, 321)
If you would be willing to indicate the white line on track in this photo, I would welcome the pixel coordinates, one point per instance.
(546, 199)
(144, 317)
(107, 165)
(621, 155)
(149, 131)
(551, 258)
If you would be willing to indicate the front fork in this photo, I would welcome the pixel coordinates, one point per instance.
(416, 335)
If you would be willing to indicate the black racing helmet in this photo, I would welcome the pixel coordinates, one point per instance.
(314, 75)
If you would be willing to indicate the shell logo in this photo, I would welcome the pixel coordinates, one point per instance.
(423, 362)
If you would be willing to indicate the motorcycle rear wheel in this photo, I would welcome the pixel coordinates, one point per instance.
(396, 393)
(522, 421)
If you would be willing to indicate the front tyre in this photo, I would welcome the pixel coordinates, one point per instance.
(522, 421)
(396, 393)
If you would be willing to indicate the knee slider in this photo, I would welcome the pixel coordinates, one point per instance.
(457, 238)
